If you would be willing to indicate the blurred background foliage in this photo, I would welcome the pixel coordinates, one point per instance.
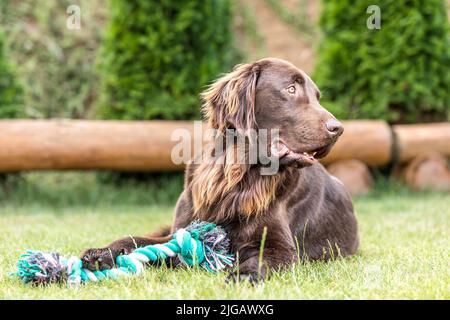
(399, 73)
(149, 59)
(158, 55)
(55, 64)
(11, 92)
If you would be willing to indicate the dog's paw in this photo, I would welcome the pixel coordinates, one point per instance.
(99, 258)
(250, 277)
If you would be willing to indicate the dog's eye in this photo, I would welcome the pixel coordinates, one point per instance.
(291, 89)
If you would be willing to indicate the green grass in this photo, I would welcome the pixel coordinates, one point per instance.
(404, 250)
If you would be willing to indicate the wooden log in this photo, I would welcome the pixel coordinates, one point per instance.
(369, 141)
(417, 139)
(142, 145)
(84, 144)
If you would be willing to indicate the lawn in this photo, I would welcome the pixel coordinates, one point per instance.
(404, 252)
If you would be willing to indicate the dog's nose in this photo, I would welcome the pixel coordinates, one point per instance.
(334, 127)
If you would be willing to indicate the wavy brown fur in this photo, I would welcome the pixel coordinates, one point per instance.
(221, 191)
(230, 101)
(227, 184)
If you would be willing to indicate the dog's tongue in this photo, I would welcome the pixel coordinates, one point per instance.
(290, 157)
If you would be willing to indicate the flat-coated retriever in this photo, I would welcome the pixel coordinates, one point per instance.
(307, 212)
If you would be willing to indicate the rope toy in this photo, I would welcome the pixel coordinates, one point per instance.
(201, 243)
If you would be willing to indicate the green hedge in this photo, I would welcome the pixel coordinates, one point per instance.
(399, 73)
(158, 55)
(11, 94)
(56, 65)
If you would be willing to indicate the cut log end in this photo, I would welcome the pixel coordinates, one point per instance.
(354, 174)
(428, 171)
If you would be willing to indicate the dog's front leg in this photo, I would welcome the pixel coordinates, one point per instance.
(104, 258)
(256, 261)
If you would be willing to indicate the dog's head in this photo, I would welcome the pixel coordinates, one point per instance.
(274, 94)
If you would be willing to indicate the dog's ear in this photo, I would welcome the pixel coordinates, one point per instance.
(229, 103)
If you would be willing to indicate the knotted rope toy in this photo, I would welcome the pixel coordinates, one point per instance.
(201, 243)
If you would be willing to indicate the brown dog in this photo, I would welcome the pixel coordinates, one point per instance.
(307, 212)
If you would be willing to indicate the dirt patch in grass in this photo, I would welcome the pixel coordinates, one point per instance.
(280, 39)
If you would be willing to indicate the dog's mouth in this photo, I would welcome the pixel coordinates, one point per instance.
(300, 159)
